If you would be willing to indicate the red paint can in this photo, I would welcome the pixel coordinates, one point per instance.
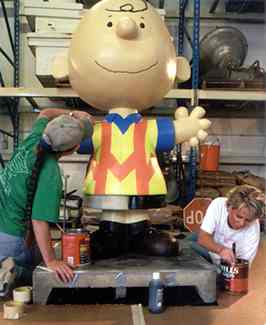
(209, 157)
(235, 276)
(76, 247)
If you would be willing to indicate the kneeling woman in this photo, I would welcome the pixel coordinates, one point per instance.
(31, 190)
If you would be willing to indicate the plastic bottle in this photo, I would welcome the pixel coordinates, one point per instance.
(156, 294)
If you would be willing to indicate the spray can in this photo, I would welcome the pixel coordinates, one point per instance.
(156, 294)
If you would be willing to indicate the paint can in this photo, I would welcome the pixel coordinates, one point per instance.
(209, 156)
(235, 276)
(76, 247)
(22, 294)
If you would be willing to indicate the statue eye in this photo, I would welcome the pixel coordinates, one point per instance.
(109, 24)
(142, 25)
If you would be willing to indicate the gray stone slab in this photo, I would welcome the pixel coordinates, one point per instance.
(188, 269)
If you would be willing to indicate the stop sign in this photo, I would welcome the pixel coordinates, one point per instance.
(194, 212)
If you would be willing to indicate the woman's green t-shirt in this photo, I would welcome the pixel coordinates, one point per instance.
(14, 182)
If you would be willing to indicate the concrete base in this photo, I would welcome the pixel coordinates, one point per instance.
(188, 269)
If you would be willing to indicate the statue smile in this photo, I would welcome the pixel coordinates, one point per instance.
(128, 72)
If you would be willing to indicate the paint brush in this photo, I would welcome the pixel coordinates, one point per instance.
(234, 249)
(43, 268)
(60, 228)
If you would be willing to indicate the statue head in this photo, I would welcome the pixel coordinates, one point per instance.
(122, 56)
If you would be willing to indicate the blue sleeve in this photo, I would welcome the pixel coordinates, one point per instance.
(86, 147)
(166, 134)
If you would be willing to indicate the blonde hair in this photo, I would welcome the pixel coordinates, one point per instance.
(249, 197)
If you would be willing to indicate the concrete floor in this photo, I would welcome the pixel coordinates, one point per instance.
(246, 310)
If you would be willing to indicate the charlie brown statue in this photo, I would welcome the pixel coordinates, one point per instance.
(122, 60)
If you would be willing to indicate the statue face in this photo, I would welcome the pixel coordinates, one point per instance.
(122, 56)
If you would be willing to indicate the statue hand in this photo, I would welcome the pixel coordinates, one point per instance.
(190, 127)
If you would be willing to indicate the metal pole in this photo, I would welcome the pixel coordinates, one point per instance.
(214, 6)
(196, 51)
(181, 26)
(195, 84)
(65, 202)
(180, 179)
(188, 37)
(192, 174)
(6, 56)
(16, 70)
(8, 26)
(161, 4)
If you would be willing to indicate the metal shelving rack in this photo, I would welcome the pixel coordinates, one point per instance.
(192, 179)
(12, 95)
(12, 100)
(195, 94)
(192, 170)
(12, 103)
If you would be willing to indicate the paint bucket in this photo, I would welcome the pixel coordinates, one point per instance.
(235, 276)
(22, 294)
(76, 247)
(209, 156)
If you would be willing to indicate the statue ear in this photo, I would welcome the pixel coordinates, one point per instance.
(183, 71)
(60, 66)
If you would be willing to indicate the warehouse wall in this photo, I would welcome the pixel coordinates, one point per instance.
(239, 137)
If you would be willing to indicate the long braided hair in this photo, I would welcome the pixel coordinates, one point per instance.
(45, 147)
(33, 180)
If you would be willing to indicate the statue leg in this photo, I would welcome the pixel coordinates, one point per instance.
(107, 241)
(119, 233)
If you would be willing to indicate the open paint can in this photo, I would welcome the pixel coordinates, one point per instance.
(76, 247)
(235, 276)
(209, 156)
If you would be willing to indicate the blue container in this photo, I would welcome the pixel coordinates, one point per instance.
(156, 294)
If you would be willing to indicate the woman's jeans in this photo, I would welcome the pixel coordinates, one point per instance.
(26, 259)
(193, 238)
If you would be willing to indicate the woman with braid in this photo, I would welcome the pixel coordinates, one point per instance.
(31, 190)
